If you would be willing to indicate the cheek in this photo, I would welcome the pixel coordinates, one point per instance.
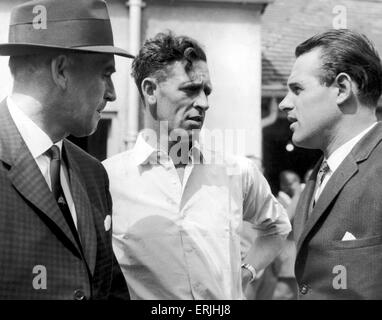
(314, 106)
(169, 109)
(93, 89)
(163, 110)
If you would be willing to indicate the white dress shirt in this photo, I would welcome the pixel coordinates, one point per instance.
(38, 142)
(336, 158)
(185, 241)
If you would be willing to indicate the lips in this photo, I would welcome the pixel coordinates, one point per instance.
(99, 110)
(194, 122)
(196, 118)
(292, 121)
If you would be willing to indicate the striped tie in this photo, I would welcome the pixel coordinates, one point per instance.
(58, 193)
(320, 178)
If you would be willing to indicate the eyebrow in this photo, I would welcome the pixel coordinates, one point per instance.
(107, 64)
(110, 68)
(294, 84)
(196, 85)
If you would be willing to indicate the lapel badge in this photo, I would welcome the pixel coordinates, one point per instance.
(61, 200)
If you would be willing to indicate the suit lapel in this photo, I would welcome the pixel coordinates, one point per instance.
(344, 172)
(347, 169)
(25, 174)
(85, 220)
(303, 206)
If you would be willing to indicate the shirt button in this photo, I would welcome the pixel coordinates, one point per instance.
(304, 289)
(79, 295)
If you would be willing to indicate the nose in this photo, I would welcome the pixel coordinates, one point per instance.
(110, 94)
(201, 102)
(286, 104)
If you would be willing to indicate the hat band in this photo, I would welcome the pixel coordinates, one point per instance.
(66, 34)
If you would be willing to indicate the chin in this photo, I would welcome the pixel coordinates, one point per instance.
(296, 142)
(181, 133)
(83, 132)
(93, 127)
(303, 143)
(299, 143)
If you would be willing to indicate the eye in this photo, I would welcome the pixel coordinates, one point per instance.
(108, 72)
(207, 91)
(296, 90)
(191, 90)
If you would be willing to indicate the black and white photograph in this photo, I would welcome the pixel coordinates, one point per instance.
(190, 153)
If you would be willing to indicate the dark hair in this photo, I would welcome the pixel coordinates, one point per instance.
(162, 50)
(347, 51)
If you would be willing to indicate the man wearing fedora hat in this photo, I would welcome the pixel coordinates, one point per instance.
(55, 205)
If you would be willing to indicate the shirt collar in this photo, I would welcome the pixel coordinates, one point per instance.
(145, 153)
(336, 158)
(37, 141)
(142, 149)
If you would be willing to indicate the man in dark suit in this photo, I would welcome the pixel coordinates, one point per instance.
(55, 205)
(334, 88)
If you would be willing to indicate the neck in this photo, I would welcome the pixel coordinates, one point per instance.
(161, 138)
(349, 129)
(177, 150)
(38, 112)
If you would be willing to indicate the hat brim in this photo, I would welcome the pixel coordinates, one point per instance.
(19, 49)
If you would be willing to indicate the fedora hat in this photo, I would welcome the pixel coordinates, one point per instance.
(74, 25)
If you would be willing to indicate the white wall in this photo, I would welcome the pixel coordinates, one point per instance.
(117, 110)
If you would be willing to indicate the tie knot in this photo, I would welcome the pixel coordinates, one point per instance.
(324, 167)
(323, 171)
(54, 152)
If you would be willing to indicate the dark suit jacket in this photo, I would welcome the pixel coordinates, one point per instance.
(326, 267)
(34, 236)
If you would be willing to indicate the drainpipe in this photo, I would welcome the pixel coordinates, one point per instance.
(132, 120)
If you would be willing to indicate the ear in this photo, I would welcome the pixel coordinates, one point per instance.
(345, 88)
(149, 88)
(59, 66)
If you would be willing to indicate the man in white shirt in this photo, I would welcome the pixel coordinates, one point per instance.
(334, 89)
(180, 211)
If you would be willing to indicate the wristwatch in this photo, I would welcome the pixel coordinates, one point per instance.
(250, 269)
